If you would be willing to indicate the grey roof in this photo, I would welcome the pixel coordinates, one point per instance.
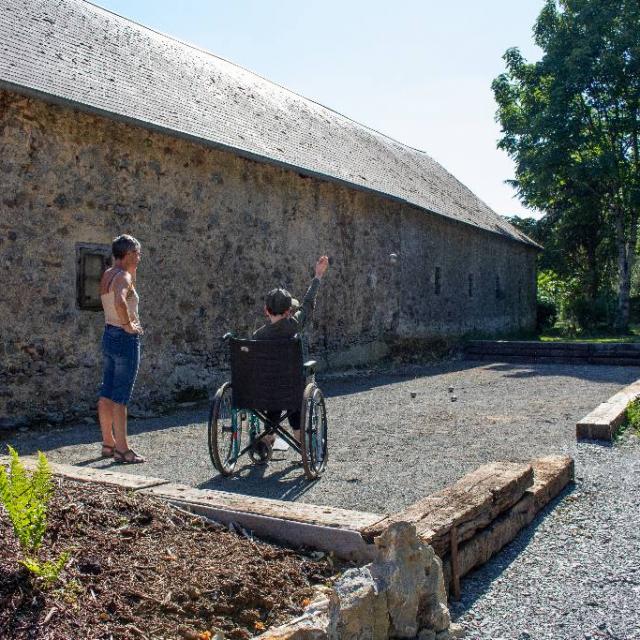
(72, 52)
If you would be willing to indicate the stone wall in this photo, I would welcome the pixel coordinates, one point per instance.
(217, 231)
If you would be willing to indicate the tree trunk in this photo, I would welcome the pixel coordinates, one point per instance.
(593, 284)
(626, 248)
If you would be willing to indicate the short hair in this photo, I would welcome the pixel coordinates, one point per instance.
(122, 245)
(277, 301)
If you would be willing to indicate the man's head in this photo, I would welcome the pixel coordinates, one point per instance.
(126, 249)
(277, 302)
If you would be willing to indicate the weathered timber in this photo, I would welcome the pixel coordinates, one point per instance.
(345, 543)
(293, 511)
(89, 474)
(604, 421)
(471, 504)
(551, 475)
(475, 552)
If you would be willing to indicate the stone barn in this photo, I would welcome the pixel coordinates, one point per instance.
(233, 185)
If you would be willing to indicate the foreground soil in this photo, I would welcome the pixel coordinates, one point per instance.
(140, 569)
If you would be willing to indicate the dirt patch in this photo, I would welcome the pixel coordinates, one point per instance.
(140, 569)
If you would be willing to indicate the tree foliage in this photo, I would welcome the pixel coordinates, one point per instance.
(571, 123)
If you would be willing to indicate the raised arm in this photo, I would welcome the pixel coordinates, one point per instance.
(309, 300)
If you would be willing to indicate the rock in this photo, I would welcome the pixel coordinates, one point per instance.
(454, 398)
(55, 417)
(450, 389)
(399, 593)
(439, 618)
(400, 571)
(14, 422)
(457, 630)
(413, 394)
(362, 608)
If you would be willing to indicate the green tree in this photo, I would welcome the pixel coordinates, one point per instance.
(571, 124)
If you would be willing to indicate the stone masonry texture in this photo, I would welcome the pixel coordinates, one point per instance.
(217, 232)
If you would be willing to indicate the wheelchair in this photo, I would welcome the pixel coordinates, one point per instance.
(268, 377)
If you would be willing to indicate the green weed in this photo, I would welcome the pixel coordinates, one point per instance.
(633, 415)
(25, 497)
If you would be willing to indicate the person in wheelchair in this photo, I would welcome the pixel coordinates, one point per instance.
(283, 323)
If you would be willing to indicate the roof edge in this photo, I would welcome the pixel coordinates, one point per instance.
(249, 155)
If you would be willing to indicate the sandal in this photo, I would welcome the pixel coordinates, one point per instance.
(127, 457)
(107, 451)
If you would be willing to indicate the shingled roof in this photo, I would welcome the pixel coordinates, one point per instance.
(74, 53)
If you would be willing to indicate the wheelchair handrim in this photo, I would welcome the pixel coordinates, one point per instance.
(315, 433)
(224, 432)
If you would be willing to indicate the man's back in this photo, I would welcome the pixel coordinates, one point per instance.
(288, 327)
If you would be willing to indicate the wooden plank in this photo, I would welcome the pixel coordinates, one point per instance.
(602, 423)
(344, 543)
(292, 511)
(471, 503)
(551, 475)
(455, 564)
(100, 476)
(475, 552)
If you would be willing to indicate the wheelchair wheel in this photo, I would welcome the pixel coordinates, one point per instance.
(223, 432)
(313, 425)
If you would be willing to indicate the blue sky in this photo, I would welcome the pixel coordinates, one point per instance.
(418, 71)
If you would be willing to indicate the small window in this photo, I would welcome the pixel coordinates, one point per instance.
(437, 284)
(91, 262)
(471, 285)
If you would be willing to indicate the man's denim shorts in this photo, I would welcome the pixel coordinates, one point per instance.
(121, 352)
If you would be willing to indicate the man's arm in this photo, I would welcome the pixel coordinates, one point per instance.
(309, 300)
(121, 286)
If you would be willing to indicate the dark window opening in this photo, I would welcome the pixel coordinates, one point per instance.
(91, 262)
(519, 293)
(437, 284)
(499, 292)
(471, 285)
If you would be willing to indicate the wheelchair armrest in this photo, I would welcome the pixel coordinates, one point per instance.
(310, 366)
(227, 336)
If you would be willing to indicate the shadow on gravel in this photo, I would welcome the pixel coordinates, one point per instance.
(45, 438)
(252, 481)
(598, 373)
(487, 573)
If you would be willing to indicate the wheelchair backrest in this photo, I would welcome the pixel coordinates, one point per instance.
(267, 375)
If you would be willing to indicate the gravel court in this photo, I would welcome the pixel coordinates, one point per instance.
(387, 449)
(574, 573)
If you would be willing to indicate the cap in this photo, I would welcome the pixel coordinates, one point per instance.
(278, 301)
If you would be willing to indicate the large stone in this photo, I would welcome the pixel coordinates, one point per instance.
(362, 613)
